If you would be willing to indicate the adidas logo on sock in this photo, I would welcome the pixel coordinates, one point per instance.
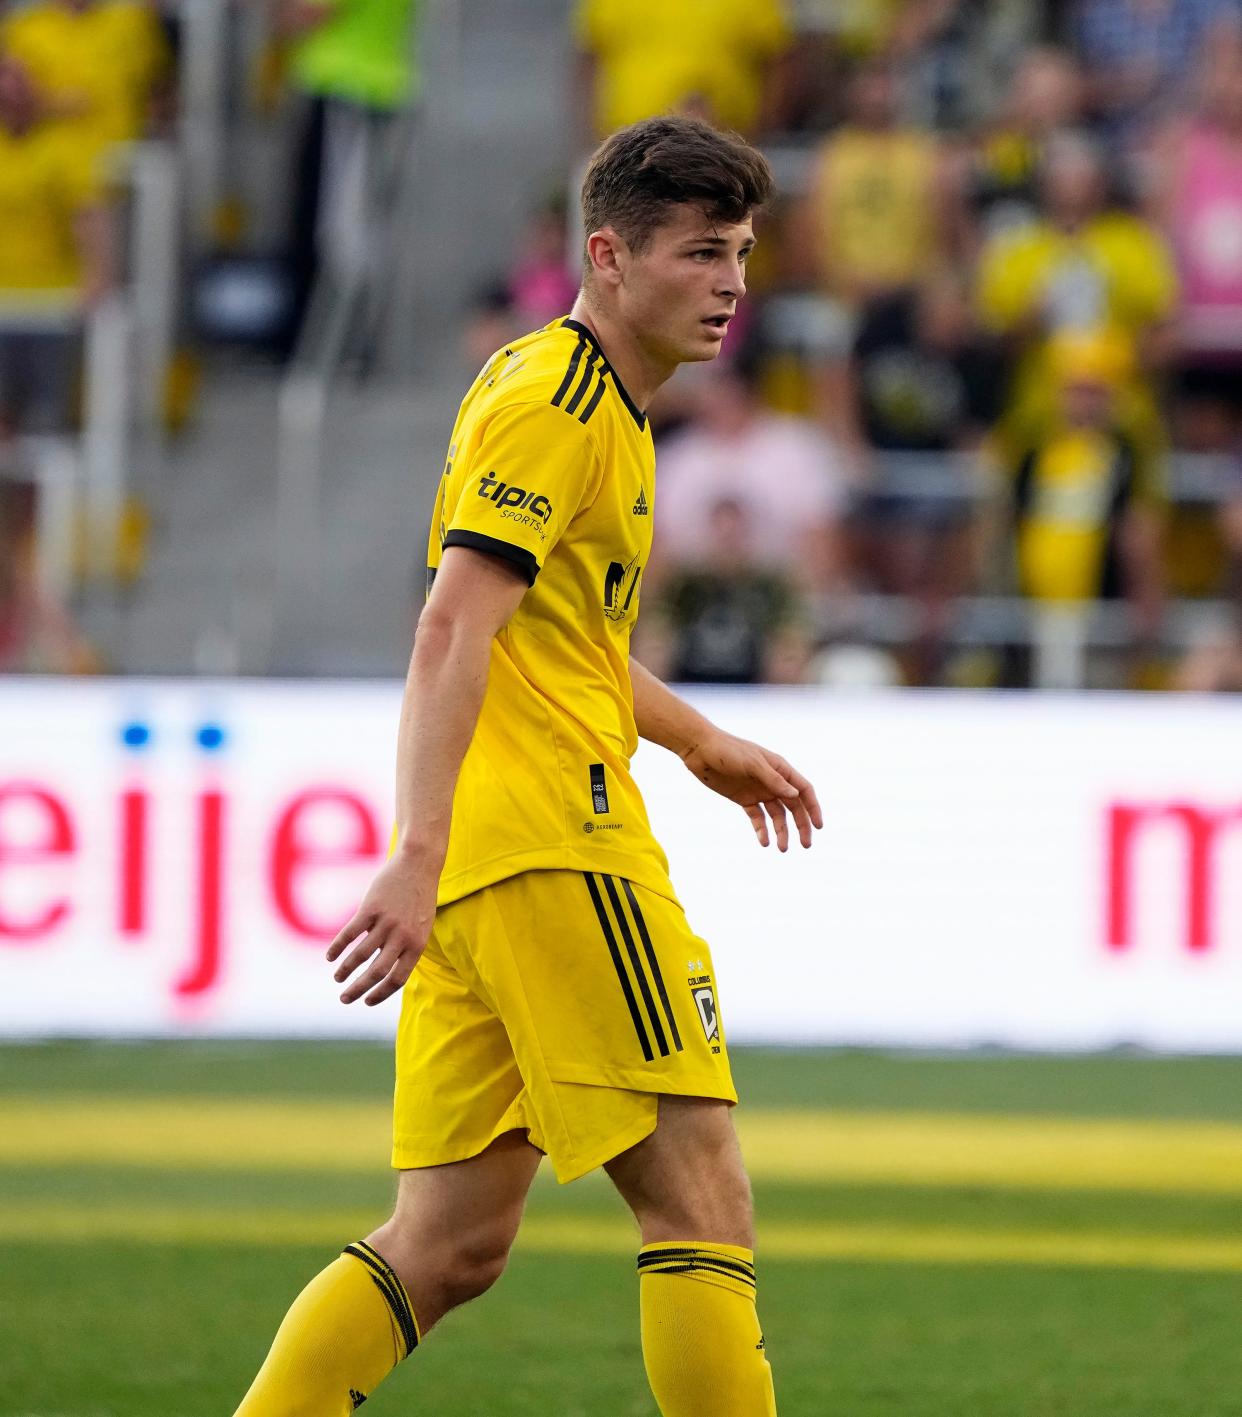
(357, 1398)
(640, 507)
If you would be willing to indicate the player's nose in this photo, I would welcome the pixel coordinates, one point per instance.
(733, 285)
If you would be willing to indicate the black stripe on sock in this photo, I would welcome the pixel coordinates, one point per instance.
(652, 961)
(579, 348)
(619, 966)
(584, 383)
(386, 1281)
(391, 1288)
(632, 951)
(593, 403)
(743, 1268)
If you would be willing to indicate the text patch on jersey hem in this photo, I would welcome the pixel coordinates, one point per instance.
(599, 789)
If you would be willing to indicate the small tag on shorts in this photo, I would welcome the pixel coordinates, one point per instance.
(599, 790)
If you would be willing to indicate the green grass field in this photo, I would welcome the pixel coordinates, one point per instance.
(940, 1237)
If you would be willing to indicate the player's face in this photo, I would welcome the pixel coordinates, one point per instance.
(680, 291)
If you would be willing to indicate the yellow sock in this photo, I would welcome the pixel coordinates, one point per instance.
(346, 1331)
(702, 1343)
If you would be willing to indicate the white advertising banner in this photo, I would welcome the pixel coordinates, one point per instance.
(1026, 871)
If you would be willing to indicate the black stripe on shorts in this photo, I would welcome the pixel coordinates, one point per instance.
(618, 964)
(652, 961)
(640, 974)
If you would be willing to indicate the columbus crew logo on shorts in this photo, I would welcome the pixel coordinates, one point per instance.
(705, 1001)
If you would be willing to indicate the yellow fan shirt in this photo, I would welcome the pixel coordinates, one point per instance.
(551, 467)
(654, 56)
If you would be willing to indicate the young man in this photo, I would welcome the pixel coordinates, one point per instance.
(561, 1004)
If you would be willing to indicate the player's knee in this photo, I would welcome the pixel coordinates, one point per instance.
(472, 1266)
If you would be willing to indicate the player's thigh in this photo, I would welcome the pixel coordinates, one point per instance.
(687, 1180)
(471, 1207)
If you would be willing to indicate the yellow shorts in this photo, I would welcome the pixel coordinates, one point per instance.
(560, 1003)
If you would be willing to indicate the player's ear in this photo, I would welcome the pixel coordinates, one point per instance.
(607, 252)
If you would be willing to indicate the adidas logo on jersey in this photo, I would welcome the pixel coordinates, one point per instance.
(640, 507)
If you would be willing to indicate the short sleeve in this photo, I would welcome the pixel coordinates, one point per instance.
(529, 475)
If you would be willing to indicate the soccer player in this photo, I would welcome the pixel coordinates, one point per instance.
(561, 1004)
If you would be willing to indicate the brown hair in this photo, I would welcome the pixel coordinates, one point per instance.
(641, 171)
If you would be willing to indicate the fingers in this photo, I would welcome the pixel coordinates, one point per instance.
(759, 822)
(802, 819)
(371, 943)
(398, 975)
(806, 801)
(775, 809)
(806, 793)
(361, 922)
(773, 778)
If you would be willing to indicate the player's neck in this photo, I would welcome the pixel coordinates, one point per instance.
(640, 375)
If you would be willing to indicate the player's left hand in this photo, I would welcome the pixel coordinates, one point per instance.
(761, 782)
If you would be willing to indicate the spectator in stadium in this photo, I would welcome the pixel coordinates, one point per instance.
(872, 221)
(718, 60)
(1196, 198)
(780, 470)
(1139, 54)
(1084, 262)
(98, 65)
(1046, 95)
(355, 64)
(55, 258)
(725, 617)
(1087, 516)
(37, 635)
(922, 381)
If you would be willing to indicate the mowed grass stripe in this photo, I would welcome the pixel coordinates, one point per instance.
(897, 1244)
(895, 1148)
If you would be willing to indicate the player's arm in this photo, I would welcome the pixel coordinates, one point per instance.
(757, 779)
(474, 596)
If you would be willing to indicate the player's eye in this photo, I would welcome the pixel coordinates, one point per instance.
(707, 252)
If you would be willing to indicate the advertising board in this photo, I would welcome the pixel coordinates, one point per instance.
(1025, 871)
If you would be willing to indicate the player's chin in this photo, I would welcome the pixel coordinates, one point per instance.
(701, 350)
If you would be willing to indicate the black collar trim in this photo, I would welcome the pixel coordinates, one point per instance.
(589, 335)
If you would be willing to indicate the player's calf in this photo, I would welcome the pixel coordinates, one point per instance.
(702, 1345)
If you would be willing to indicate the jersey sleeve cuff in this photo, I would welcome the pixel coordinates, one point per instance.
(506, 550)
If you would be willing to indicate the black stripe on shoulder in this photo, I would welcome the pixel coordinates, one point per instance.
(584, 383)
(593, 402)
(563, 389)
(476, 541)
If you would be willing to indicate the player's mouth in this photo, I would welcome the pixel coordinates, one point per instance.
(718, 324)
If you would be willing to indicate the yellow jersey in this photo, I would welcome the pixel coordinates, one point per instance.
(551, 467)
(1071, 496)
(45, 181)
(102, 61)
(878, 208)
(654, 57)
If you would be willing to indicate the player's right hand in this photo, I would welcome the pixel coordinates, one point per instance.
(388, 932)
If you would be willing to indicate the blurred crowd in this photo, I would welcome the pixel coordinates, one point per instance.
(981, 417)
(991, 357)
